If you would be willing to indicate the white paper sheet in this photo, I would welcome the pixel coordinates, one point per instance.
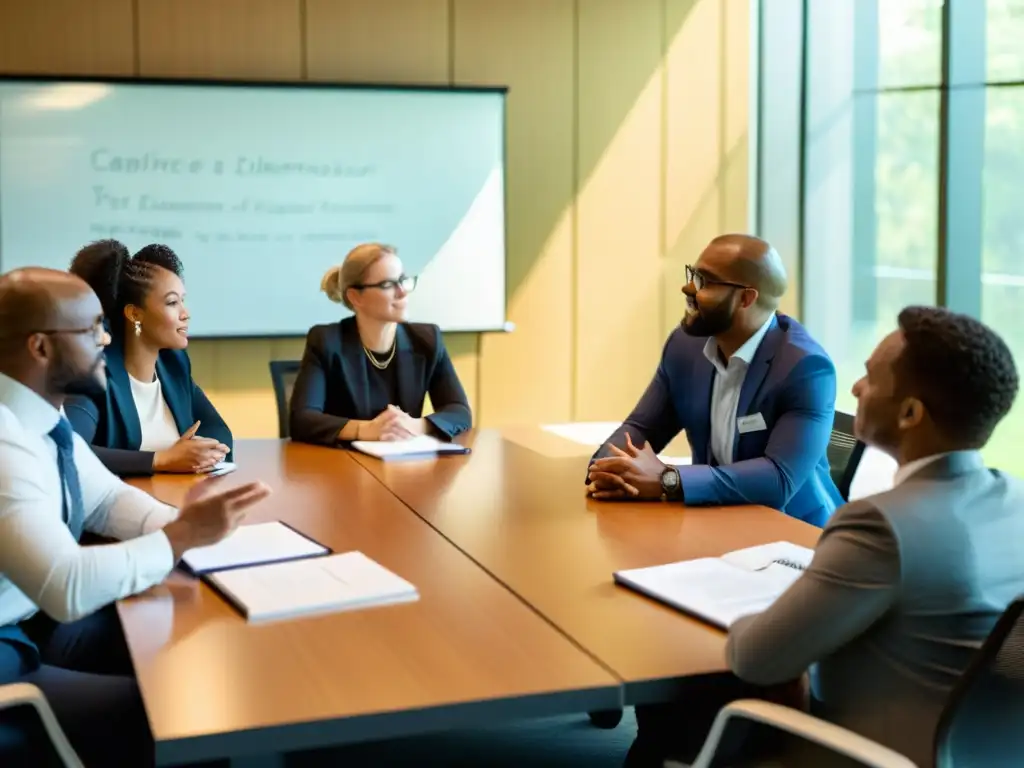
(424, 445)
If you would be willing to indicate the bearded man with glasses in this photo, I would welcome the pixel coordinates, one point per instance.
(59, 629)
(754, 392)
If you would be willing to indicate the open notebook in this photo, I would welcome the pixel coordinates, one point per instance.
(256, 544)
(303, 587)
(416, 447)
(720, 590)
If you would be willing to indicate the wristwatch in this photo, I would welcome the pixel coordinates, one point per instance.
(671, 487)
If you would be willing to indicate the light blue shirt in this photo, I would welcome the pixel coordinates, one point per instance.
(725, 392)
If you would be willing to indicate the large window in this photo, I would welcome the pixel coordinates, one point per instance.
(1002, 256)
(911, 144)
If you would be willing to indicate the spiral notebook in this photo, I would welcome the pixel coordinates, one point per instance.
(720, 590)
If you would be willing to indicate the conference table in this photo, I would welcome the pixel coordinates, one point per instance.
(517, 617)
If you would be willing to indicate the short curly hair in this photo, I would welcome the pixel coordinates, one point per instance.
(960, 369)
(119, 279)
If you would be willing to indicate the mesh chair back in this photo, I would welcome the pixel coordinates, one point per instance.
(844, 452)
(283, 373)
(982, 725)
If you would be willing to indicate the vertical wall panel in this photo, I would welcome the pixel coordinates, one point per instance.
(694, 115)
(736, 116)
(618, 247)
(68, 37)
(374, 41)
(526, 376)
(249, 39)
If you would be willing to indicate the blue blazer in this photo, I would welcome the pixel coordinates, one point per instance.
(791, 382)
(111, 422)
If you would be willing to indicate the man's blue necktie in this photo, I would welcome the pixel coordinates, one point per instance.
(73, 508)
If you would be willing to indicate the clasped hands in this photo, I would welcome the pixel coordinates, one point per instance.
(634, 473)
(392, 424)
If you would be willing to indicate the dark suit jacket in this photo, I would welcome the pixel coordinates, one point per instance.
(332, 387)
(111, 423)
(791, 382)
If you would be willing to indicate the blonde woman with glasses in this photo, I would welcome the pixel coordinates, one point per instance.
(366, 377)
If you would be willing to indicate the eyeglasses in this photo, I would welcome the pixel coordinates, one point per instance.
(700, 280)
(98, 331)
(406, 283)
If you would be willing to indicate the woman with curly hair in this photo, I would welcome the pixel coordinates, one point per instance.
(153, 416)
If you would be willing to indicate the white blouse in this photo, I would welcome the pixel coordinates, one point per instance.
(159, 432)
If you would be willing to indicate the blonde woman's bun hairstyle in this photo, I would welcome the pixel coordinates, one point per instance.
(337, 280)
(331, 285)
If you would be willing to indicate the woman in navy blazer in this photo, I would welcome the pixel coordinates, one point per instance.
(153, 417)
(366, 377)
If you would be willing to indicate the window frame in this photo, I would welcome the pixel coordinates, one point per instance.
(785, 82)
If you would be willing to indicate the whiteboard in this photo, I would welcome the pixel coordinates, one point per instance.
(261, 188)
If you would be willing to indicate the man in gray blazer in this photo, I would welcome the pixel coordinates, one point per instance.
(904, 586)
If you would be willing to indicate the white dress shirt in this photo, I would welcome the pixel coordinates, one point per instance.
(159, 432)
(725, 392)
(912, 467)
(41, 564)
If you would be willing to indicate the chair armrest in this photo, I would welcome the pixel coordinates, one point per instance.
(19, 694)
(793, 721)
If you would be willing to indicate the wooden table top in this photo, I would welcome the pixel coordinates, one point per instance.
(467, 652)
(525, 518)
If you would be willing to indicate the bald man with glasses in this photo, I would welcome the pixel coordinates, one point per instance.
(58, 625)
(751, 388)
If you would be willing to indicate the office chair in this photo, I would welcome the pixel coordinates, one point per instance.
(24, 694)
(844, 452)
(836, 738)
(981, 725)
(283, 373)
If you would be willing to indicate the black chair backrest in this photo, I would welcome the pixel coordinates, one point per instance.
(844, 452)
(982, 725)
(283, 373)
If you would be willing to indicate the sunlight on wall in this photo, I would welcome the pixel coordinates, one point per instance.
(627, 152)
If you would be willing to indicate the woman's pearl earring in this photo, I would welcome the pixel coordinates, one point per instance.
(138, 327)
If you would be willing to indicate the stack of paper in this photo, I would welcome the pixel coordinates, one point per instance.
(414, 447)
(318, 585)
(720, 590)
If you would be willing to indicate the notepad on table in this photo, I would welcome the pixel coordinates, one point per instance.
(421, 446)
(720, 590)
(256, 544)
(319, 585)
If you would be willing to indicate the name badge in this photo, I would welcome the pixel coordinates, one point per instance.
(752, 423)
